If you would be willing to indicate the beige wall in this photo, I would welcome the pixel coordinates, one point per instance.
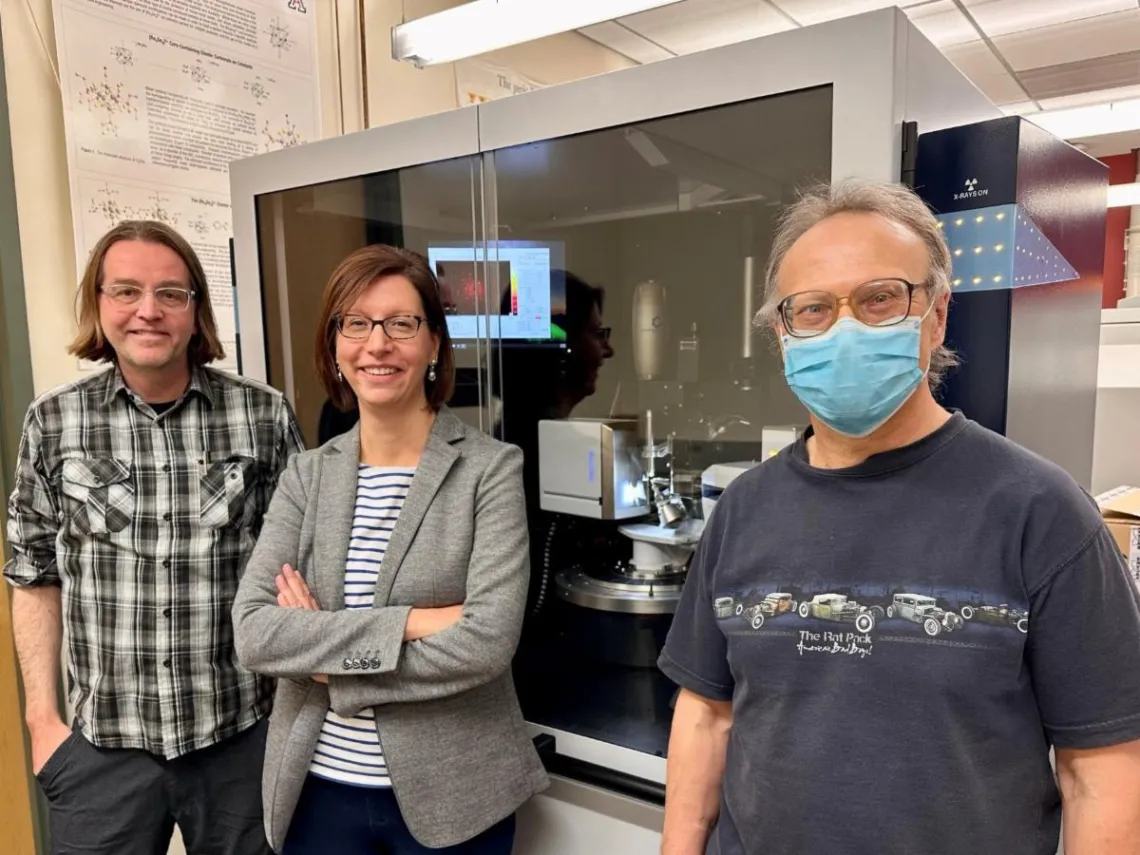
(42, 198)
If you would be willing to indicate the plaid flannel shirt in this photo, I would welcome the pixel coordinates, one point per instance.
(146, 521)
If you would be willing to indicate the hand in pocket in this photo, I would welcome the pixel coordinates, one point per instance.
(46, 740)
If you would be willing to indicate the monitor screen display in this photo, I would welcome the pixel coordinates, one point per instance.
(525, 304)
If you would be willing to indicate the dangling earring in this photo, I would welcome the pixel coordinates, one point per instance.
(431, 372)
(339, 376)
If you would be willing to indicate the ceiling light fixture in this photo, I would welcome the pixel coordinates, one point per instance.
(1080, 122)
(480, 26)
(1123, 195)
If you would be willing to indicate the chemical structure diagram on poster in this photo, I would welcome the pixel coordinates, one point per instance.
(159, 99)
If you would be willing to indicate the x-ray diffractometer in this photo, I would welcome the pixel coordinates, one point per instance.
(601, 245)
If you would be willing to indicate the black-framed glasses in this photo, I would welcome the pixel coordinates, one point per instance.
(398, 327)
(168, 297)
(878, 303)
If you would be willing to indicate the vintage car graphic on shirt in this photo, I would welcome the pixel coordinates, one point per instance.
(882, 609)
(726, 607)
(1001, 615)
(840, 609)
(755, 609)
(772, 605)
(924, 611)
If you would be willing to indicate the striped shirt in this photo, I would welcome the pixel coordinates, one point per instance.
(145, 518)
(348, 749)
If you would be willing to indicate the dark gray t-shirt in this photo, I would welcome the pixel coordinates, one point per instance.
(902, 642)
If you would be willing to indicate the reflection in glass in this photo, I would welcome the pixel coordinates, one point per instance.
(649, 382)
(306, 231)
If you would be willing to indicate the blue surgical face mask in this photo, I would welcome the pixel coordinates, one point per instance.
(854, 377)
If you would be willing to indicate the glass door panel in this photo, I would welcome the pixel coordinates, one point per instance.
(630, 262)
(304, 233)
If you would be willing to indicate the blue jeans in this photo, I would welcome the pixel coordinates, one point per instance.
(348, 820)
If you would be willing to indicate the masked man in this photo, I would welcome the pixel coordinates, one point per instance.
(922, 609)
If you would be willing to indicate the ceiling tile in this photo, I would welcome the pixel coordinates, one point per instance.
(1003, 17)
(1100, 36)
(974, 60)
(702, 24)
(1098, 74)
(942, 23)
(618, 38)
(1053, 45)
(1001, 88)
(982, 66)
(814, 11)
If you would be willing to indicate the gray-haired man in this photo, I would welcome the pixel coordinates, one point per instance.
(960, 607)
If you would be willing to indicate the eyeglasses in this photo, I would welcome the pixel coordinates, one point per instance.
(601, 333)
(397, 326)
(175, 299)
(879, 303)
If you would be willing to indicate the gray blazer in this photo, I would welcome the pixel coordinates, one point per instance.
(446, 710)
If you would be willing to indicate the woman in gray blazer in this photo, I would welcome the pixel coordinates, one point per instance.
(386, 592)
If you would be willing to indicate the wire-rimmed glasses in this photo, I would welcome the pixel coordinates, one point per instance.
(878, 303)
(168, 297)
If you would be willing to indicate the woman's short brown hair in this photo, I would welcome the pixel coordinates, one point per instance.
(90, 343)
(355, 275)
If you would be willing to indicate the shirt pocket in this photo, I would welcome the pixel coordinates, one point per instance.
(101, 492)
(224, 490)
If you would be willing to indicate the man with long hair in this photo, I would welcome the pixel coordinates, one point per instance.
(139, 495)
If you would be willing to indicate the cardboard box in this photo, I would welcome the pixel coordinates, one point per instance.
(1121, 511)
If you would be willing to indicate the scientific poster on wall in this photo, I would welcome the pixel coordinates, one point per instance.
(159, 96)
(477, 81)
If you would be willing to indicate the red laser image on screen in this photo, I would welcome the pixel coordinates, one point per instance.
(464, 291)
